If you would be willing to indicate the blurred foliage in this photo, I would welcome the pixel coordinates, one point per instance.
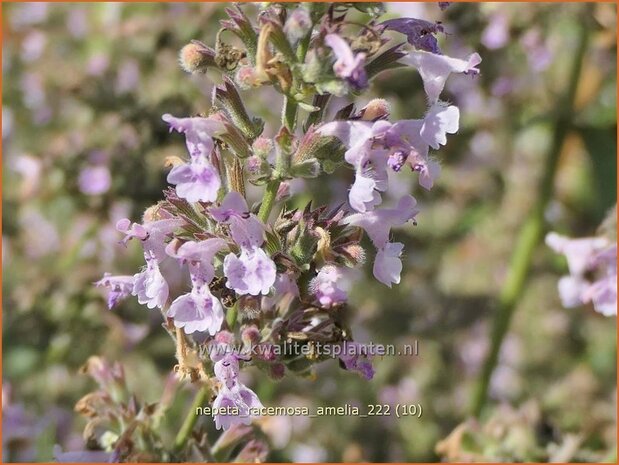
(85, 86)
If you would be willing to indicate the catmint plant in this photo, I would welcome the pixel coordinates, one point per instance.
(263, 277)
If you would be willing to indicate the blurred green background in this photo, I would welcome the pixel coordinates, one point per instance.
(84, 88)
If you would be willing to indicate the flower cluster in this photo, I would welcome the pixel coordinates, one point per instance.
(279, 280)
(592, 262)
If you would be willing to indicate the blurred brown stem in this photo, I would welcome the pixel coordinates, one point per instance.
(533, 228)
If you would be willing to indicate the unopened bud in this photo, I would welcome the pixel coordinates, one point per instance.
(224, 337)
(196, 57)
(376, 108)
(283, 191)
(250, 335)
(354, 253)
(277, 371)
(262, 146)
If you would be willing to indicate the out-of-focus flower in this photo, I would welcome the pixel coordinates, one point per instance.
(77, 22)
(347, 65)
(496, 33)
(588, 255)
(539, 55)
(354, 357)
(298, 24)
(128, 76)
(30, 168)
(94, 180)
(98, 64)
(33, 46)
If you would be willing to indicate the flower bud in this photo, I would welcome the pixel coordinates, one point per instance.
(224, 337)
(283, 191)
(262, 146)
(376, 109)
(253, 164)
(277, 371)
(352, 254)
(196, 57)
(266, 352)
(250, 335)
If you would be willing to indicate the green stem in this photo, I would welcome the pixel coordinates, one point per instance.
(190, 420)
(268, 200)
(289, 114)
(231, 316)
(303, 46)
(531, 233)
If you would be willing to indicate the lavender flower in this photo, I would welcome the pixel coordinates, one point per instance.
(199, 310)
(233, 396)
(435, 69)
(95, 180)
(378, 223)
(252, 272)
(588, 257)
(199, 132)
(119, 288)
(149, 285)
(347, 65)
(355, 358)
(419, 33)
(387, 265)
(325, 287)
(199, 255)
(198, 180)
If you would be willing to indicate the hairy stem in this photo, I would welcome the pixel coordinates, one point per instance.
(190, 420)
(532, 230)
(268, 200)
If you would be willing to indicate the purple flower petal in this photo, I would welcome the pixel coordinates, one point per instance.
(378, 223)
(253, 272)
(435, 69)
(438, 122)
(197, 181)
(325, 287)
(197, 311)
(387, 265)
(347, 66)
